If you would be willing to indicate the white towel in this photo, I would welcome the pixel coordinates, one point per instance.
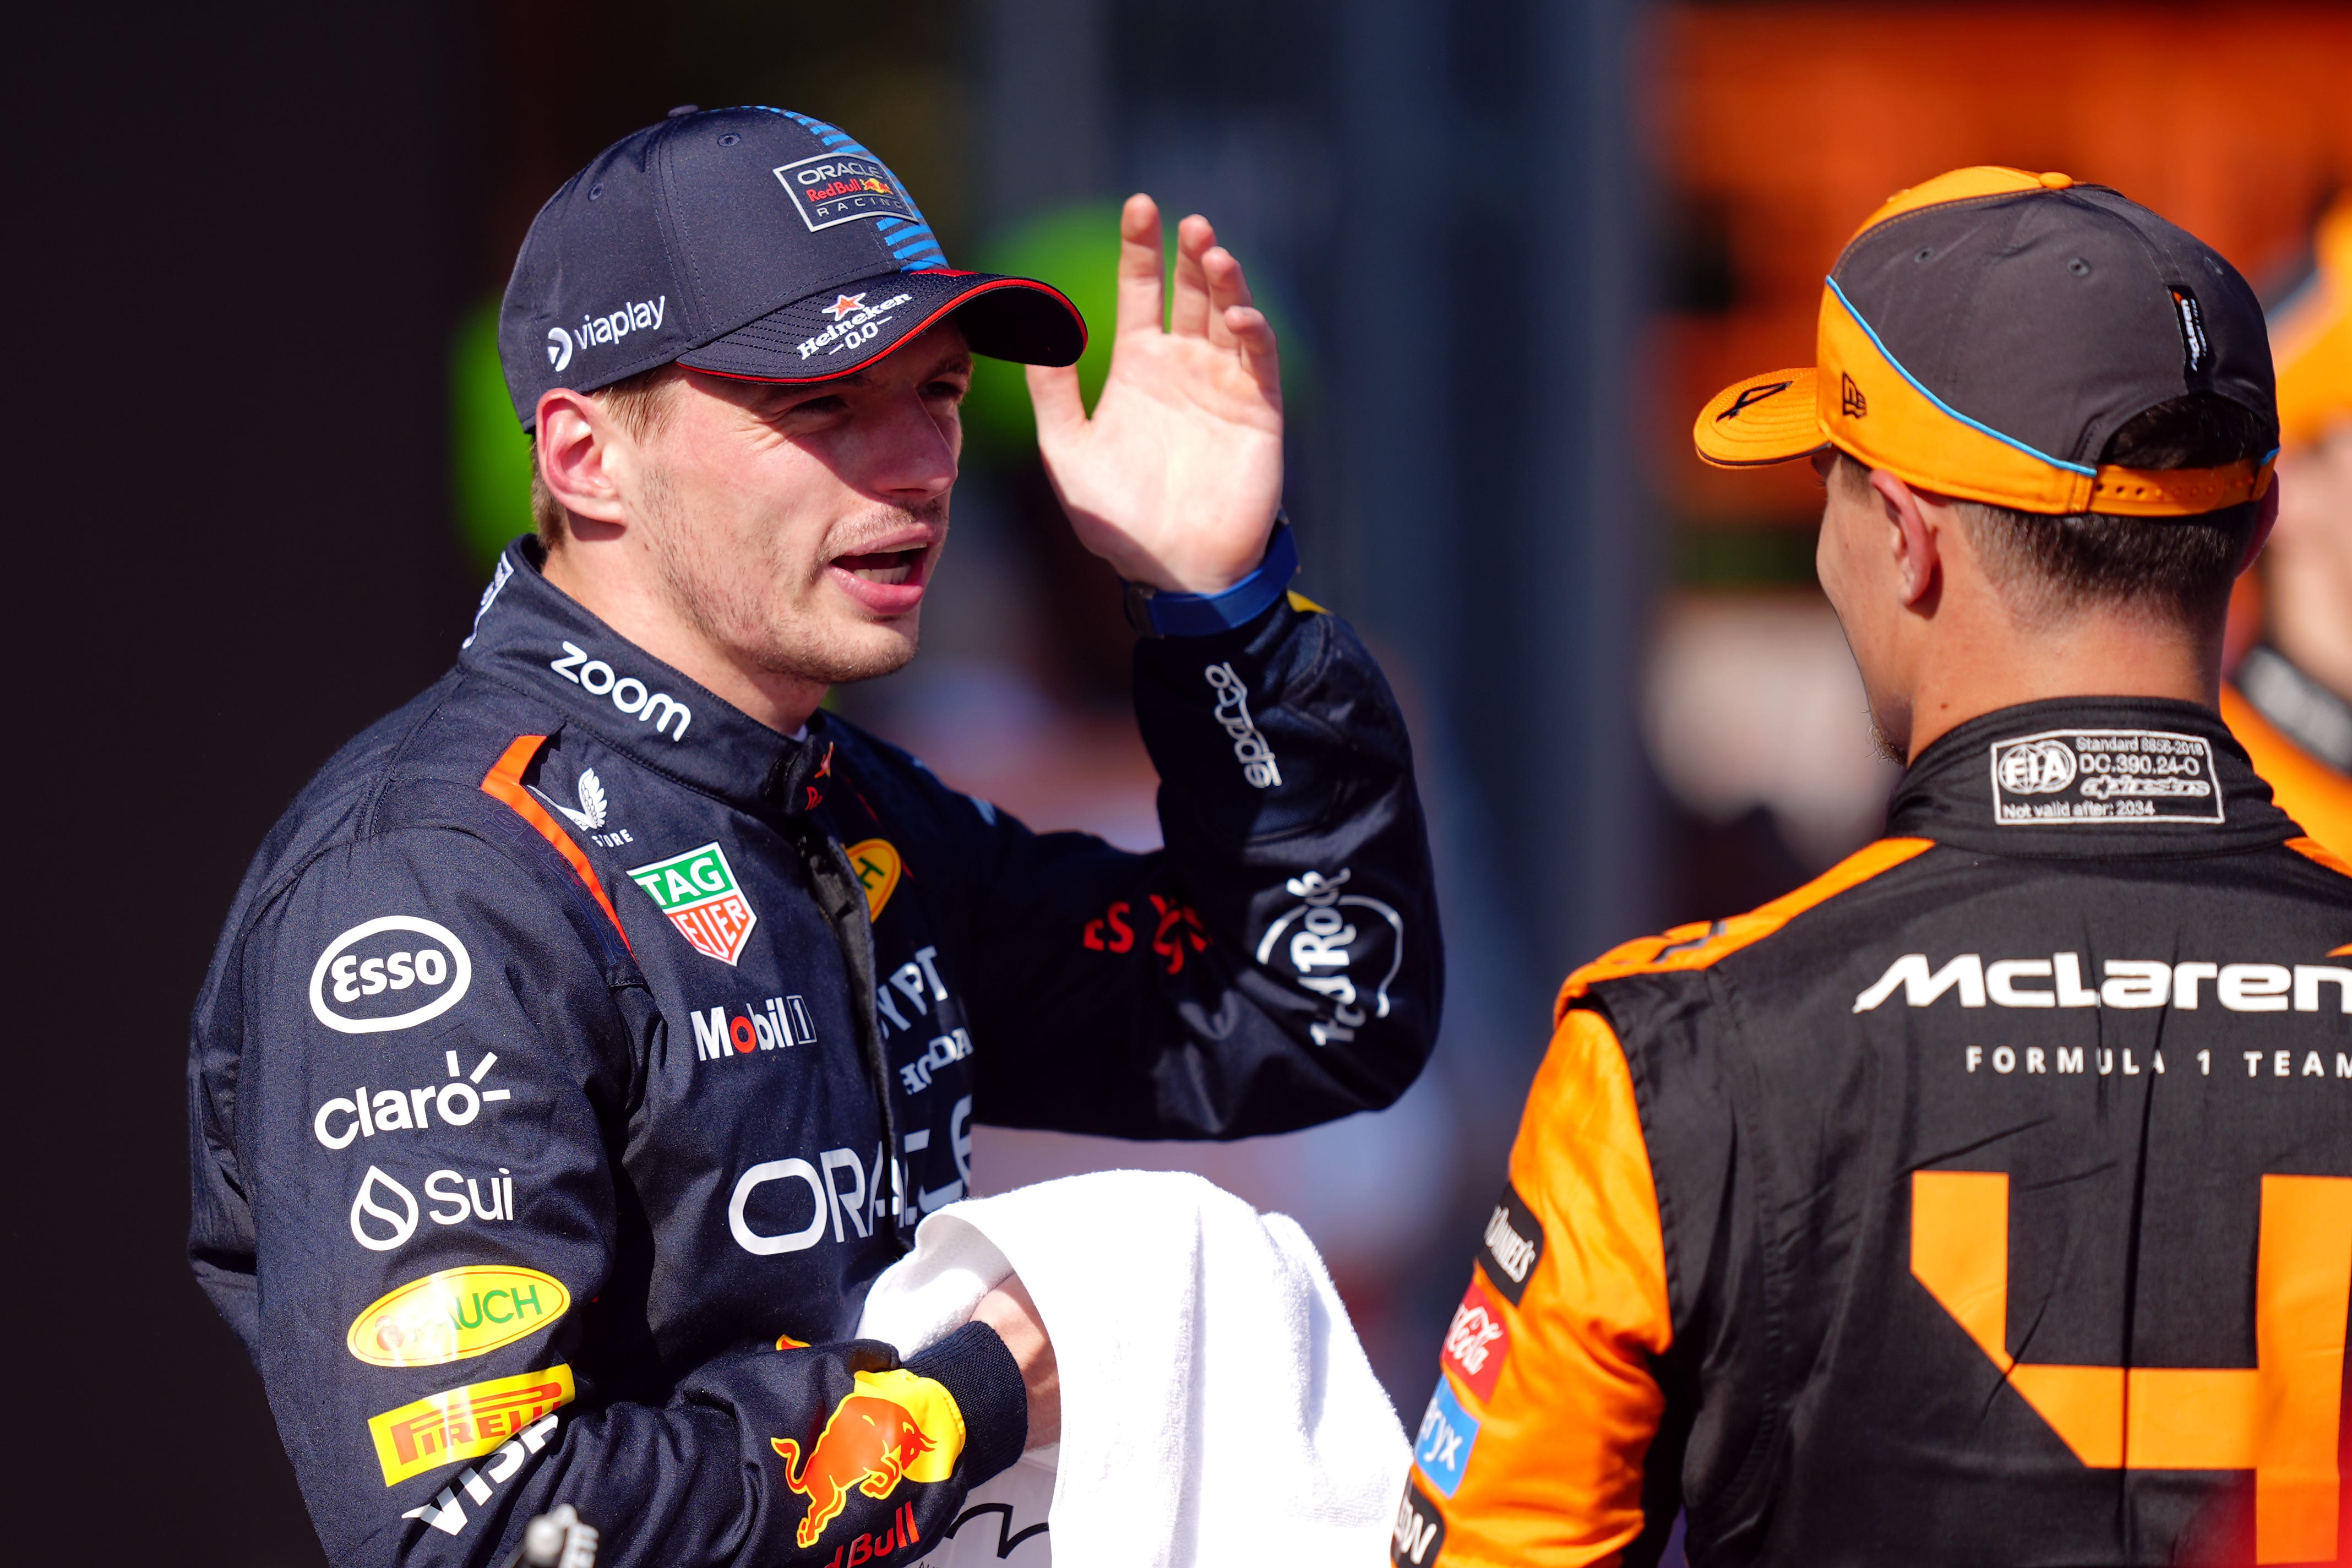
(1216, 1406)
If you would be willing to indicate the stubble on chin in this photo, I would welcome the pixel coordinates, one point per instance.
(738, 595)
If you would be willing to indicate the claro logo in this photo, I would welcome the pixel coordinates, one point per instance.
(383, 958)
(627, 693)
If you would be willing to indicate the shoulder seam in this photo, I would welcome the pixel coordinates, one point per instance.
(1702, 943)
(2319, 854)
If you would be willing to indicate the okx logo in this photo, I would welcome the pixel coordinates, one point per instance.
(698, 891)
(896, 1426)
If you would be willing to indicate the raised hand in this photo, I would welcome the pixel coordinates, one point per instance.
(1176, 478)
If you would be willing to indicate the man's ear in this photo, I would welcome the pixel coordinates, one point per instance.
(575, 451)
(2266, 512)
(1914, 541)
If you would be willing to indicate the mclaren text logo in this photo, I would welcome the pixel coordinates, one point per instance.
(378, 975)
(2058, 981)
(627, 693)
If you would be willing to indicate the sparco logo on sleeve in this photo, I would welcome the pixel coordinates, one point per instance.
(391, 973)
(1233, 713)
(2104, 776)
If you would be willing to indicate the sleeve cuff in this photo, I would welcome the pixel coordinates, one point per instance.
(973, 1365)
(1157, 613)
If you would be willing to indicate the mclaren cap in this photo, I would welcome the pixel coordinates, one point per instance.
(753, 243)
(1985, 333)
(2311, 335)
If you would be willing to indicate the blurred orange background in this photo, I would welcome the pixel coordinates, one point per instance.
(1780, 127)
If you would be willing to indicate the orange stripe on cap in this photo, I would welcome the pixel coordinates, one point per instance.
(504, 782)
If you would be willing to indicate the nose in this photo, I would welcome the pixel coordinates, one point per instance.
(912, 457)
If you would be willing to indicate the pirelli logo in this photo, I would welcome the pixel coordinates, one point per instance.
(442, 1428)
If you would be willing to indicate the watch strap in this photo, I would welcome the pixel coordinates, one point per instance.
(1157, 612)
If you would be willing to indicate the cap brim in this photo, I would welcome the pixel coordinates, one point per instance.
(843, 330)
(1768, 418)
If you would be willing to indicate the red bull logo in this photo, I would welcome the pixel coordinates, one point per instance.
(896, 1427)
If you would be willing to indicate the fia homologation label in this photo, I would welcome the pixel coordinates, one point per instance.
(2104, 776)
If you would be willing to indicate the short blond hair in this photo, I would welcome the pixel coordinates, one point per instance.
(638, 405)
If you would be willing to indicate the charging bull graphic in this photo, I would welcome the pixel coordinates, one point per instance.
(896, 1426)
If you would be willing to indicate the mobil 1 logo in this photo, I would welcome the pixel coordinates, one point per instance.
(1512, 1245)
(2103, 776)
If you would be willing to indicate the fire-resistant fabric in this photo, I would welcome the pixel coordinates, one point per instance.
(1988, 1199)
(578, 1050)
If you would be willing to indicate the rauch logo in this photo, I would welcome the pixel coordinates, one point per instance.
(456, 1314)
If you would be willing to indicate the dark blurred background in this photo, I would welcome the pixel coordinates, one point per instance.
(1510, 245)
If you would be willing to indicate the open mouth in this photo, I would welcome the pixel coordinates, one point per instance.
(888, 566)
(886, 583)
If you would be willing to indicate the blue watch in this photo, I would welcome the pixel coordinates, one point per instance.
(1155, 613)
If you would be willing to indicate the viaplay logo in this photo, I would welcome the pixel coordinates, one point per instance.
(634, 316)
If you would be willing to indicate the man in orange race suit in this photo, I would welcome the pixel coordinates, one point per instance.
(2289, 702)
(1989, 1199)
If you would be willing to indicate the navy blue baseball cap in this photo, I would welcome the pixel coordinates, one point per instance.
(753, 243)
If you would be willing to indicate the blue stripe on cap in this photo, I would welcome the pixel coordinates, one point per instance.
(1975, 424)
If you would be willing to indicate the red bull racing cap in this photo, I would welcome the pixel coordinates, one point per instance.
(753, 243)
(1985, 333)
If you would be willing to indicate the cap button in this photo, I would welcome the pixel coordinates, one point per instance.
(2055, 182)
(683, 110)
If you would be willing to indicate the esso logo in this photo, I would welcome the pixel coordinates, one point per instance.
(391, 973)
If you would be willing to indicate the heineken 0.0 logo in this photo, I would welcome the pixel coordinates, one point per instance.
(698, 891)
(391, 973)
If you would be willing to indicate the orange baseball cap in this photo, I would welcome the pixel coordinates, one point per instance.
(2311, 335)
(1985, 333)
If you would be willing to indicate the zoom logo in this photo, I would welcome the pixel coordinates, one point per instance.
(625, 692)
(391, 973)
(558, 348)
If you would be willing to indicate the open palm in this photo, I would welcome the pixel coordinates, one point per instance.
(1176, 478)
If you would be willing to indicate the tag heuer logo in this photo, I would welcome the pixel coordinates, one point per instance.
(697, 890)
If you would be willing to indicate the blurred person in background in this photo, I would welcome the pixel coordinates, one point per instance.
(1990, 1198)
(593, 1030)
(2289, 702)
